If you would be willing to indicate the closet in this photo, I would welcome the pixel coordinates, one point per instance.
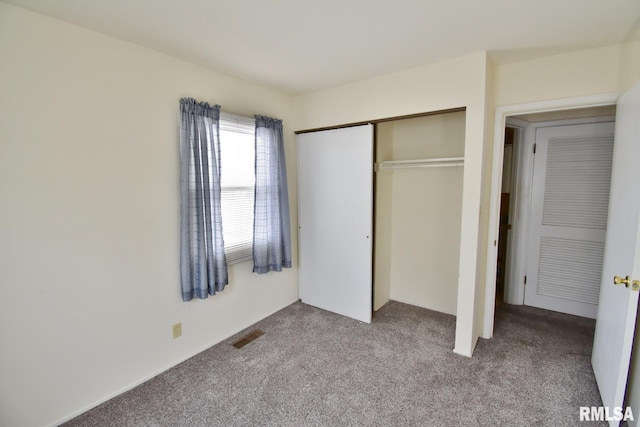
(379, 213)
(418, 208)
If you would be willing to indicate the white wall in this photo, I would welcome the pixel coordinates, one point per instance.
(457, 83)
(89, 261)
(425, 207)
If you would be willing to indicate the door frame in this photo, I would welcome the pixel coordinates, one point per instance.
(520, 186)
(501, 115)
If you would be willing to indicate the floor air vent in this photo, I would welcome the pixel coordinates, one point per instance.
(247, 338)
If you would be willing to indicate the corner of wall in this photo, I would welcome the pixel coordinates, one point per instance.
(487, 162)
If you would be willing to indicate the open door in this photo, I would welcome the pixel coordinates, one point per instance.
(618, 302)
(335, 217)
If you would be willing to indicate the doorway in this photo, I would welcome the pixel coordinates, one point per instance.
(519, 117)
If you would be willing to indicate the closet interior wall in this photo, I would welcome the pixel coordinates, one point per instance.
(418, 212)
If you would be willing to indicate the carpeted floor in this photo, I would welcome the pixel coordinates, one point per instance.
(314, 368)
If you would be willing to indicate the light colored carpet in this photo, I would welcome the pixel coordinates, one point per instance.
(315, 368)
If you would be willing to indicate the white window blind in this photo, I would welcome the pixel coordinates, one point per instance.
(237, 170)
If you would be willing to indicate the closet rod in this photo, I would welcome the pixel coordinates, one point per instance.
(422, 163)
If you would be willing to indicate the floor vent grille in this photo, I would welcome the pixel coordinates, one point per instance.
(248, 338)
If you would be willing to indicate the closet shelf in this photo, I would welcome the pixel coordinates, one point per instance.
(422, 163)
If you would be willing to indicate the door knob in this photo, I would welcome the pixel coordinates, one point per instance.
(617, 280)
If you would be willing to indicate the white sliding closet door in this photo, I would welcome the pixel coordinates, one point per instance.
(335, 217)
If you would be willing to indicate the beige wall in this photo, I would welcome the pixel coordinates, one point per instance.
(440, 86)
(418, 212)
(89, 261)
(585, 72)
(629, 65)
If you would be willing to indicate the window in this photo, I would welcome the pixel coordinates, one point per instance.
(237, 170)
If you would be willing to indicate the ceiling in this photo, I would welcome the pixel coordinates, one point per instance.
(298, 46)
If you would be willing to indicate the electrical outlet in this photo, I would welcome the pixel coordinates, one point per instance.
(177, 330)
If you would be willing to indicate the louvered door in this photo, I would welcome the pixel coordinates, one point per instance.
(570, 198)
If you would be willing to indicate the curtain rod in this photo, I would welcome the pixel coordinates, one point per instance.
(388, 119)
